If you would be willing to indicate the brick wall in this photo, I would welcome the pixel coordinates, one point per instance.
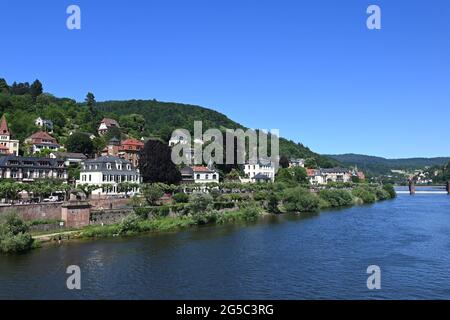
(34, 211)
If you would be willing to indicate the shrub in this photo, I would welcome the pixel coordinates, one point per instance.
(180, 197)
(152, 193)
(129, 225)
(300, 200)
(382, 194)
(142, 212)
(14, 236)
(336, 198)
(389, 188)
(365, 195)
(223, 205)
(200, 202)
(204, 218)
(159, 212)
(261, 195)
(272, 203)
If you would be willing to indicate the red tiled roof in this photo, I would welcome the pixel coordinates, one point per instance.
(201, 169)
(4, 126)
(310, 172)
(133, 142)
(41, 135)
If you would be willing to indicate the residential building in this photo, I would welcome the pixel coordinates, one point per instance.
(70, 158)
(323, 176)
(106, 124)
(129, 149)
(108, 172)
(297, 163)
(42, 141)
(254, 171)
(28, 169)
(199, 174)
(46, 125)
(8, 146)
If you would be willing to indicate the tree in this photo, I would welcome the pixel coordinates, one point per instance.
(156, 164)
(113, 132)
(4, 88)
(36, 89)
(80, 143)
(284, 162)
(152, 193)
(14, 236)
(87, 189)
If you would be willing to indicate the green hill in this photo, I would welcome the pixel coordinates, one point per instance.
(22, 103)
(378, 165)
(161, 118)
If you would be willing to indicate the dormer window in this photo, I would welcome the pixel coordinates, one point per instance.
(108, 166)
(128, 166)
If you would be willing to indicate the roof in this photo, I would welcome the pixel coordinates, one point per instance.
(133, 142)
(41, 135)
(107, 159)
(334, 170)
(261, 176)
(110, 122)
(4, 126)
(202, 169)
(73, 155)
(4, 162)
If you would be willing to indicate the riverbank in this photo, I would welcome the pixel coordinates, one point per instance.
(203, 209)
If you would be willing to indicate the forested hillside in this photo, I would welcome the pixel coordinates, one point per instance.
(161, 118)
(378, 165)
(22, 103)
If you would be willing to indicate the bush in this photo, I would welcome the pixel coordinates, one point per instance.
(223, 205)
(382, 194)
(142, 212)
(336, 198)
(159, 212)
(180, 197)
(14, 236)
(261, 195)
(300, 200)
(205, 218)
(389, 188)
(129, 225)
(152, 193)
(365, 195)
(272, 203)
(200, 202)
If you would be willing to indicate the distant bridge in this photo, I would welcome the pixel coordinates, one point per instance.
(412, 189)
(423, 192)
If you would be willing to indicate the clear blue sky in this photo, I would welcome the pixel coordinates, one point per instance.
(309, 68)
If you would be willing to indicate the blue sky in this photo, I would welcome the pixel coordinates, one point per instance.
(309, 68)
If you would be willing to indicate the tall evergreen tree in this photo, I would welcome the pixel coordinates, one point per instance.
(4, 88)
(36, 89)
(155, 164)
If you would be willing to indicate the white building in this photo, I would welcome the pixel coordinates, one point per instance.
(323, 176)
(255, 171)
(70, 158)
(47, 125)
(199, 174)
(297, 163)
(108, 172)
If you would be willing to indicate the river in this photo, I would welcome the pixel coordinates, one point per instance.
(322, 256)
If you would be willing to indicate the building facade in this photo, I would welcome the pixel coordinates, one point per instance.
(29, 169)
(255, 170)
(8, 146)
(106, 124)
(42, 141)
(128, 149)
(199, 174)
(323, 176)
(45, 124)
(108, 172)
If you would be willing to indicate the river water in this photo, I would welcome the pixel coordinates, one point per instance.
(322, 256)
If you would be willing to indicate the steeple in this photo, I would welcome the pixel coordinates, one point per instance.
(4, 130)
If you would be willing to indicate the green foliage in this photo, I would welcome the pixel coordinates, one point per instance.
(156, 164)
(292, 176)
(180, 198)
(300, 200)
(80, 143)
(152, 193)
(364, 194)
(14, 236)
(129, 225)
(389, 188)
(272, 203)
(336, 198)
(200, 202)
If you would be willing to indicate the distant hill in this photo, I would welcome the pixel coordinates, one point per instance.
(161, 118)
(378, 165)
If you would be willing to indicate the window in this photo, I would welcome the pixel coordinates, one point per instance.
(90, 178)
(214, 177)
(108, 166)
(207, 176)
(198, 176)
